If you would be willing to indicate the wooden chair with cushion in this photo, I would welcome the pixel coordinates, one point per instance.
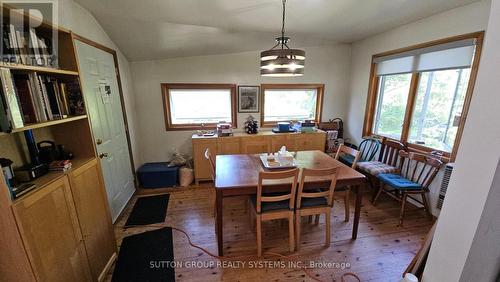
(368, 148)
(415, 174)
(355, 154)
(270, 206)
(315, 202)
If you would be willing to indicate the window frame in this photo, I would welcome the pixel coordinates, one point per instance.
(165, 90)
(373, 84)
(320, 89)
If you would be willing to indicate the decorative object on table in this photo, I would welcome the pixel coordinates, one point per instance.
(283, 127)
(281, 159)
(224, 129)
(307, 126)
(248, 99)
(280, 60)
(251, 125)
(63, 165)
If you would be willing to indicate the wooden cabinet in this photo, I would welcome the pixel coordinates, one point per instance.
(229, 146)
(51, 234)
(202, 165)
(95, 219)
(242, 143)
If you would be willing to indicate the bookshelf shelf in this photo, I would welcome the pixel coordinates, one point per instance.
(38, 69)
(46, 124)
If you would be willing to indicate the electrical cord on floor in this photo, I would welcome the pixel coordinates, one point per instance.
(303, 268)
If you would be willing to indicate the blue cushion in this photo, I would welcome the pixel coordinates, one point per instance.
(346, 159)
(313, 202)
(271, 206)
(397, 181)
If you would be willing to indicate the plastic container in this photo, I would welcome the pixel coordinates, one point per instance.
(186, 176)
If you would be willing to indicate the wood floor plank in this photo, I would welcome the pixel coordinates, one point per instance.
(381, 252)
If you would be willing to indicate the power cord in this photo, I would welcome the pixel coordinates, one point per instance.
(247, 257)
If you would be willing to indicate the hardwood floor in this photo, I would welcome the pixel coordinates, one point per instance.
(381, 253)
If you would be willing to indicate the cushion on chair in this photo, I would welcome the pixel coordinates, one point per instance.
(271, 206)
(397, 181)
(313, 202)
(346, 159)
(375, 168)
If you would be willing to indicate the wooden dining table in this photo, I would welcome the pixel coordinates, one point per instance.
(238, 175)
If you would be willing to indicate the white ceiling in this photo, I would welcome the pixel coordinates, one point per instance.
(160, 29)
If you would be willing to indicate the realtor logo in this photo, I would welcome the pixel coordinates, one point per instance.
(27, 39)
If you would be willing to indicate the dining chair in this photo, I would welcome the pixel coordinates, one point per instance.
(342, 151)
(416, 173)
(368, 148)
(270, 206)
(315, 202)
(387, 162)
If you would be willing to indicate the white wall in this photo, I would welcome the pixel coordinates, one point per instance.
(465, 19)
(324, 64)
(77, 19)
(475, 167)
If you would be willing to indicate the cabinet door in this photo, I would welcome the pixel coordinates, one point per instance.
(202, 169)
(228, 146)
(310, 141)
(49, 228)
(277, 141)
(91, 204)
(256, 145)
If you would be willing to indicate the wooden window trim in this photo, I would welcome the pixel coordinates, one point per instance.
(165, 87)
(371, 100)
(319, 99)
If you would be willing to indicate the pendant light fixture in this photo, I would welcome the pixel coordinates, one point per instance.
(281, 60)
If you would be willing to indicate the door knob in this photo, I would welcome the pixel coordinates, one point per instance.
(98, 141)
(103, 155)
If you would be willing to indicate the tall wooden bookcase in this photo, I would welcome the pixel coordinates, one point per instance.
(62, 229)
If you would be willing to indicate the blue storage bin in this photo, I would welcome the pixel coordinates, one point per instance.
(157, 175)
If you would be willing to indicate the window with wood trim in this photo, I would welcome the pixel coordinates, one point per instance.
(198, 106)
(420, 95)
(291, 102)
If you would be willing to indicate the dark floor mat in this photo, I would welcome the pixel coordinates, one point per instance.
(146, 257)
(148, 210)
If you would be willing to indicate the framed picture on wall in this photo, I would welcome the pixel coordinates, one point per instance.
(248, 99)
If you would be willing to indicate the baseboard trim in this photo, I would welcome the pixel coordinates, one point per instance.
(107, 268)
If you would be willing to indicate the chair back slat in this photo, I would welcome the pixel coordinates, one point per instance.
(389, 152)
(328, 173)
(279, 175)
(211, 160)
(343, 149)
(419, 168)
(368, 149)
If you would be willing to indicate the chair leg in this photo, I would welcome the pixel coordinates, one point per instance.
(252, 219)
(297, 230)
(426, 205)
(309, 219)
(402, 212)
(347, 204)
(259, 236)
(291, 233)
(380, 189)
(327, 221)
(316, 219)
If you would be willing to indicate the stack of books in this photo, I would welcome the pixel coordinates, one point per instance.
(63, 165)
(34, 98)
(27, 47)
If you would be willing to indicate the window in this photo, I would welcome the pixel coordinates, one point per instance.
(192, 106)
(420, 95)
(287, 102)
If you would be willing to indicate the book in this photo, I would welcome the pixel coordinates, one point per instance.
(25, 96)
(37, 97)
(37, 58)
(12, 103)
(5, 125)
(48, 87)
(63, 165)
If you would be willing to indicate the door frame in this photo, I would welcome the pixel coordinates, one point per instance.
(120, 90)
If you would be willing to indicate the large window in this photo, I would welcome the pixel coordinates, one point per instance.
(192, 106)
(420, 95)
(287, 102)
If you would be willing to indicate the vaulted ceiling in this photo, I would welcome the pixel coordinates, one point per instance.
(160, 29)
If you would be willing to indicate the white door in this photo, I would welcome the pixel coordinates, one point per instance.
(100, 89)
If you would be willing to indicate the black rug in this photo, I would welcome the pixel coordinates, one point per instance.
(148, 210)
(146, 257)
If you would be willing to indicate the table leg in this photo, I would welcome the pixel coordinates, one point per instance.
(219, 222)
(357, 210)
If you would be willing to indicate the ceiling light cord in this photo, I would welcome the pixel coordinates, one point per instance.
(283, 26)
